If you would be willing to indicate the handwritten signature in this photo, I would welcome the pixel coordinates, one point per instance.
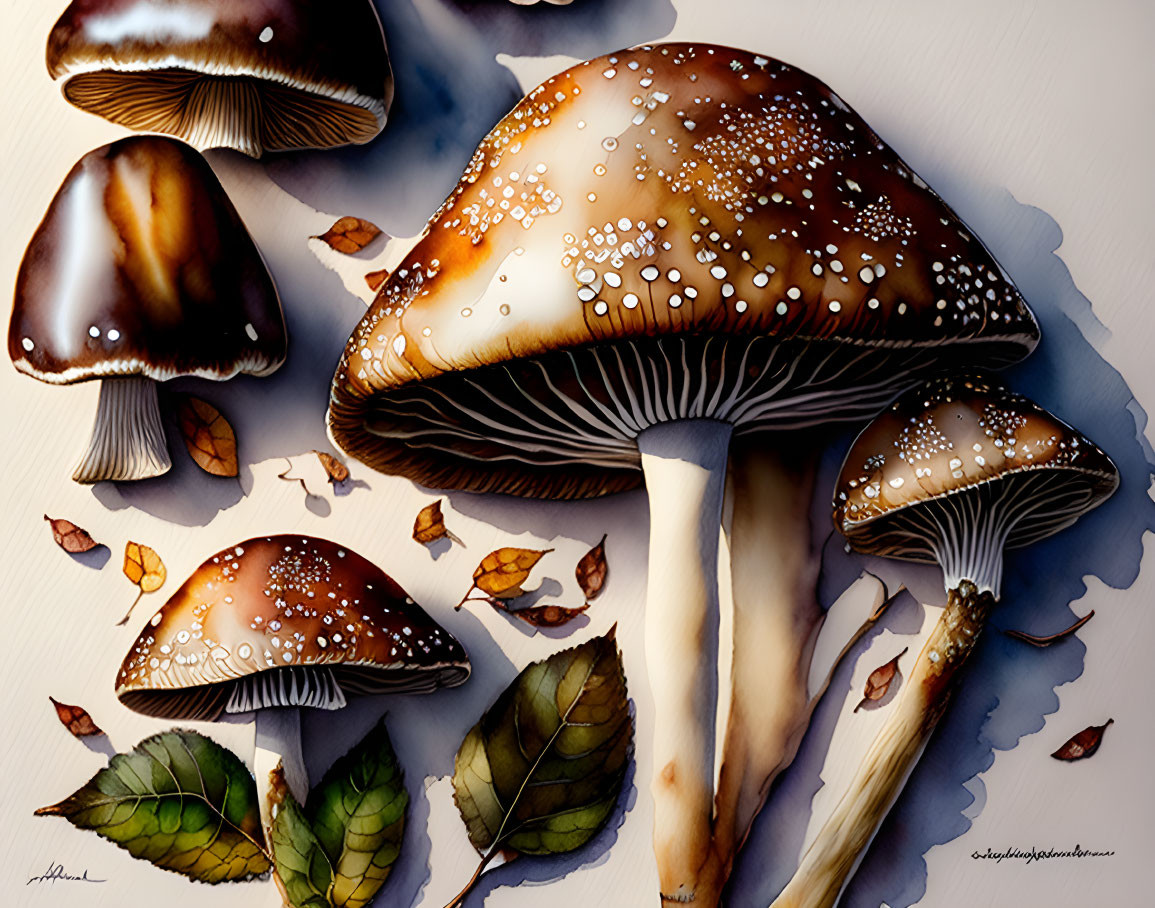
(56, 872)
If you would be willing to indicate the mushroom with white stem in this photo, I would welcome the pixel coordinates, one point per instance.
(252, 75)
(140, 272)
(631, 271)
(952, 473)
(277, 623)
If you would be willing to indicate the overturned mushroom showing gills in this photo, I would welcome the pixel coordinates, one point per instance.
(253, 75)
(141, 271)
(952, 474)
(279, 623)
(654, 251)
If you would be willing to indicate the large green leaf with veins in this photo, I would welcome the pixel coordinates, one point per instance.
(339, 849)
(541, 771)
(180, 801)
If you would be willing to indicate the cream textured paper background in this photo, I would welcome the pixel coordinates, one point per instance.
(994, 103)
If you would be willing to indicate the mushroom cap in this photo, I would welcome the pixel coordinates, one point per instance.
(142, 266)
(322, 73)
(661, 212)
(284, 602)
(953, 437)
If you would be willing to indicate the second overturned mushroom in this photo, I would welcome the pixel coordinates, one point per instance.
(278, 623)
(953, 473)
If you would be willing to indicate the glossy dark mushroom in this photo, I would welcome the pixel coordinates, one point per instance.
(953, 473)
(253, 75)
(140, 272)
(654, 251)
(277, 623)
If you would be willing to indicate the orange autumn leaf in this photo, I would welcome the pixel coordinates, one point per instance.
(376, 278)
(143, 567)
(502, 572)
(547, 615)
(334, 469)
(208, 436)
(69, 536)
(591, 571)
(430, 524)
(349, 235)
(76, 719)
(879, 681)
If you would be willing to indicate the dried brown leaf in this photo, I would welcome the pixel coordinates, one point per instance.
(334, 469)
(547, 615)
(143, 567)
(69, 536)
(376, 278)
(430, 524)
(208, 436)
(349, 235)
(591, 571)
(1084, 744)
(76, 719)
(502, 572)
(1052, 638)
(879, 681)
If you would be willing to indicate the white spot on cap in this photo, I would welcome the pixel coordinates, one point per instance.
(781, 307)
(249, 330)
(601, 308)
(156, 619)
(266, 35)
(113, 335)
(399, 344)
(94, 331)
(650, 273)
(630, 300)
(28, 345)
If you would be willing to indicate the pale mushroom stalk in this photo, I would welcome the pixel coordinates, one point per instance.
(277, 731)
(1025, 477)
(684, 464)
(127, 440)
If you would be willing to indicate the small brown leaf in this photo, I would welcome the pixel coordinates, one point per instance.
(547, 615)
(1052, 638)
(208, 436)
(502, 572)
(336, 470)
(350, 235)
(376, 278)
(879, 681)
(430, 524)
(69, 536)
(591, 571)
(143, 567)
(1084, 744)
(76, 720)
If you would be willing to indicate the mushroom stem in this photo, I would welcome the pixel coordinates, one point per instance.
(841, 843)
(127, 439)
(278, 743)
(684, 463)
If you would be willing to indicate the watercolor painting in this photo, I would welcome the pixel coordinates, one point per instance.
(624, 453)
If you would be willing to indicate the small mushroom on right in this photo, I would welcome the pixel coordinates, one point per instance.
(954, 472)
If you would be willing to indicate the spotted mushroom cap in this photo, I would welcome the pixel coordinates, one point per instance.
(677, 224)
(956, 436)
(143, 267)
(279, 604)
(255, 75)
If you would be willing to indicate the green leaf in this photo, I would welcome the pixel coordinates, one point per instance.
(357, 812)
(541, 771)
(301, 863)
(179, 800)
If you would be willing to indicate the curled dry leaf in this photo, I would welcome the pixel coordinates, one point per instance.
(376, 278)
(210, 439)
(1084, 744)
(69, 536)
(502, 572)
(334, 469)
(879, 681)
(1052, 638)
(349, 235)
(76, 719)
(430, 526)
(143, 567)
(591, 571)
(547, 615)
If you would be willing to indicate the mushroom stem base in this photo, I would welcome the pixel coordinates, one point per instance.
(684, 463)
(127, 439)
(278, 743)
(838, 849)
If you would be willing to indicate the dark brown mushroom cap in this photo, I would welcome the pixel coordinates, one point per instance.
(658, 198)
(143, 267)
(301, 55)
(284, 602)
(957, 435)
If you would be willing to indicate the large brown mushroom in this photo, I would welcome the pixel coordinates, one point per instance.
(653, 252)
(140, 272)
(254, 75)
(951, 474)
(278, 623)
